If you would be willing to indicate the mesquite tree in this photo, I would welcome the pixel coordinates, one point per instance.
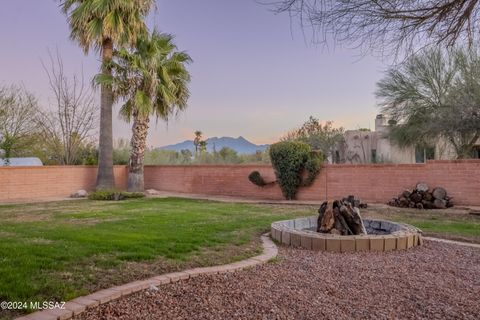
(434, 94)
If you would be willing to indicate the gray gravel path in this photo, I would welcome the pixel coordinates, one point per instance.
(436, 281)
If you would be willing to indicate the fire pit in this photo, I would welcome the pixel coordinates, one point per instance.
(339, 228)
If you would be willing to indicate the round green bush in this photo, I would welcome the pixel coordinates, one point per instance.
(256, 178)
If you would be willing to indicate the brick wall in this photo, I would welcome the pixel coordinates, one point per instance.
(374, 183)
(19, 183)
(230, 180)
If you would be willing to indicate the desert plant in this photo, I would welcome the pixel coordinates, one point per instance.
(290, 160)
(112, 194)
(256, 178)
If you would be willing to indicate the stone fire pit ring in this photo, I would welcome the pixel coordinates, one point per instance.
(382, 236)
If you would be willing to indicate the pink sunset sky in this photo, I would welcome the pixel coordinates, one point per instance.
(254, 73)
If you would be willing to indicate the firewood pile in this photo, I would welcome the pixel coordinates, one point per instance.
(340, 217)
(422, 198)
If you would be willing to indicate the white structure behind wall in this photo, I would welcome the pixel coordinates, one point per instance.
(365, 146)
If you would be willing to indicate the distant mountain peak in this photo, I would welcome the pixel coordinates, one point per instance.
(240, 144)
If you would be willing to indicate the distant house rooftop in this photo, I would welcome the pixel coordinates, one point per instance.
(21, 162)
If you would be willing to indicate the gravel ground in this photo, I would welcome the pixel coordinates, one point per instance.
(436, 281)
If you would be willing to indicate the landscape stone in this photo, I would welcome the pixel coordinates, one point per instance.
(152, 192)
(79, 194)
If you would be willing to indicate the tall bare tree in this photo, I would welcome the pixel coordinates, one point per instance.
(73, 123)
(18, 114)
(388, 25)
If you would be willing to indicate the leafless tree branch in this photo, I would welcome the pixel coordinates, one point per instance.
(388, 26)
(73, 122)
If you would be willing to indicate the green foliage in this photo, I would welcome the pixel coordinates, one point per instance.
(152, 79)
(121, 151)
(226, 155)
(256, 178)
(19, 112)
(434, 95)
(186, 156)
(88, 155)
(121, 154)
(155, 156)
(93, 21)
(320, 137)
(116, 195)
(312, 167)
(290, 160)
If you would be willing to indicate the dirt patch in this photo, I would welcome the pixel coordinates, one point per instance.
(29, 217)
(39, 241)
(92, 221)
(5, 234)
(48, 211)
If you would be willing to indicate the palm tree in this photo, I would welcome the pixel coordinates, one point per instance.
(104, 24)
(152, 79)
(197, 140)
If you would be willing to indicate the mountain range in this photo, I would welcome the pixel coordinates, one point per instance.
(240, 144)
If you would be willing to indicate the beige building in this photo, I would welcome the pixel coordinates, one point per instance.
(365, 146)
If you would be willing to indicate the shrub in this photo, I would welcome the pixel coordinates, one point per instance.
(312, 166)
(257, 179)
(114, 195)
(290, 159)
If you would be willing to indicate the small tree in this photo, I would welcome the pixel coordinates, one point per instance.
(228, 155)
(18, 116)
(320, 137)
(70, 128)
(186, 156)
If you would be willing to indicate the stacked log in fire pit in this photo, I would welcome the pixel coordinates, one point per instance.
(422, 198)
(341, 217)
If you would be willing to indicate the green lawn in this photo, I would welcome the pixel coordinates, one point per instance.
(454, 223)
(60, 250)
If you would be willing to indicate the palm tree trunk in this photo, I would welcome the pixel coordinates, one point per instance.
(137, 154)
(105, 178)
